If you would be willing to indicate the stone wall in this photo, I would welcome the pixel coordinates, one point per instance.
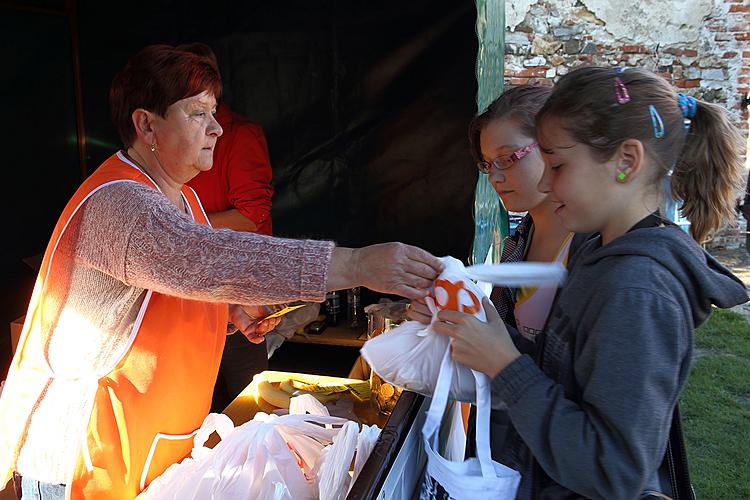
(702, 47)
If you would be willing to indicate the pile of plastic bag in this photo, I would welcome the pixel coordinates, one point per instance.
(303, 455)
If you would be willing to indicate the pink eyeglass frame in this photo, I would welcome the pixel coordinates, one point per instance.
(505, 162)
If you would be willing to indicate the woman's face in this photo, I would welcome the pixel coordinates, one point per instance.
(186, 136)
(516, 185)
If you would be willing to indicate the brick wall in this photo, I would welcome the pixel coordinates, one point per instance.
(555, 36)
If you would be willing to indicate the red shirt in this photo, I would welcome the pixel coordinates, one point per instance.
(241, 175)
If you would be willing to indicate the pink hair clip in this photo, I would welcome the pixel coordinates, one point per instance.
(621, 93)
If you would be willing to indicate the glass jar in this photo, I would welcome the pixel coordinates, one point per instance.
(380, 319)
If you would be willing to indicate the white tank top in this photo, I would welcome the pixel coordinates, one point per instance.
(533, 304)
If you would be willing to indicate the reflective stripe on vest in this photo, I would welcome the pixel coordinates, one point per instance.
(147, 405)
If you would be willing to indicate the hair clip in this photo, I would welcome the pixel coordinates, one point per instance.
(656, 122)
(621, 92)
(688, 105)
(620, 70)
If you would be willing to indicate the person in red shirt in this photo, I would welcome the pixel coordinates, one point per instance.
(236, 193)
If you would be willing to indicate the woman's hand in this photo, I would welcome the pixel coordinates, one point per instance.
(485, 347)
(388, 268)
(246, 319)
(417, 310)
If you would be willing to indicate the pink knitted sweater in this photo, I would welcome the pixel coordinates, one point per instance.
(127, 239)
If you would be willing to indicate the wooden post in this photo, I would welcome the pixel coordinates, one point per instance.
(490, 216)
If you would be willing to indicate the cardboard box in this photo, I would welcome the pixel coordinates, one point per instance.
(15, 333)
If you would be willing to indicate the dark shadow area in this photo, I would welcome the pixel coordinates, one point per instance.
(333, 361)
(365, 106)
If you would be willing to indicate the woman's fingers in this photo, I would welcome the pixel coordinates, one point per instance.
(267, 325)
(245, 318)
(429, 266)
(418, 282)
(255, 339)
(396, 268)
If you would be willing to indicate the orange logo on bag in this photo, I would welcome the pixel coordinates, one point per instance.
(453, 299)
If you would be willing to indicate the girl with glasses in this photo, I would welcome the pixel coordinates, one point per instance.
(503, 143)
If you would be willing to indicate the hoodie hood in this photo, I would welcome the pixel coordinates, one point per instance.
(704, 279)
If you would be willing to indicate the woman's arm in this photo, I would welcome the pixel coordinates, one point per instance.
(134, 234)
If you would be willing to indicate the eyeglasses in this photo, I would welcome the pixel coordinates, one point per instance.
(505, 162)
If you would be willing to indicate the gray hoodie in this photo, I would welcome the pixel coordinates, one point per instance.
(591, 413)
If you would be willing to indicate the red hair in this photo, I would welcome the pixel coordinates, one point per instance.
(154, 79)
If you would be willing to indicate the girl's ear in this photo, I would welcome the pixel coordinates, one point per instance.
(630, 159)
(143, 122)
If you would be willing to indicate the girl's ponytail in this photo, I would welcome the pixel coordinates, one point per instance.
(707, 176)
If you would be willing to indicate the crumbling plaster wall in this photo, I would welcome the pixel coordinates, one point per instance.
(702, 47)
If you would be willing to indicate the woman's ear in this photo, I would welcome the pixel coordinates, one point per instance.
(143, 122)
(630, 157)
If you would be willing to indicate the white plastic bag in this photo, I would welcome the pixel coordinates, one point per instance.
(176, 475)
(470, 479)
(307, 403)
(409, 356)
(268, 458)
(455, 439)
(334, 477)
(350, 443)
(366, 440)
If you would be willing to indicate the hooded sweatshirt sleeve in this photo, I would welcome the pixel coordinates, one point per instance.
(630, 373)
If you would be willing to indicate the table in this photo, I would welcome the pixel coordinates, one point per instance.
(334, 335)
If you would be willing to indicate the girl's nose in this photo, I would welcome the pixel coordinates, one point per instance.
(545, 183)
(496, 175)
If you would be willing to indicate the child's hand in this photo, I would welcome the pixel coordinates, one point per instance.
(418, 311)
(485, 347)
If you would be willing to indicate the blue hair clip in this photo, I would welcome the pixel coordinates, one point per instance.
(620, 70)
(656, 122)
(688, 105)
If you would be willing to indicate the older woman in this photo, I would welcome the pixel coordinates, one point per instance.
(125, 328)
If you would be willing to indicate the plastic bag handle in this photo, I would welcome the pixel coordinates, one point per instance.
(519, 274)
(218, 422)
(484, 404)
(437, 410)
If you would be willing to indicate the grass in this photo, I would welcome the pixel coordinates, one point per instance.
(716, 408)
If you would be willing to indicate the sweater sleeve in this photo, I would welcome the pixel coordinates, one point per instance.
(630, 374)
(135, 234)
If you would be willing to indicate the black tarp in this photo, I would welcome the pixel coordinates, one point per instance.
(365, 106)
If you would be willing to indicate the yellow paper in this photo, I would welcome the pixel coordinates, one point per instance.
(284, 311)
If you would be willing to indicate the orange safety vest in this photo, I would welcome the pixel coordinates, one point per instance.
(147, 407)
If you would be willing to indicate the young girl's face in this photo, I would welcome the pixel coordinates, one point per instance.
(516, 185)
(584, 186)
